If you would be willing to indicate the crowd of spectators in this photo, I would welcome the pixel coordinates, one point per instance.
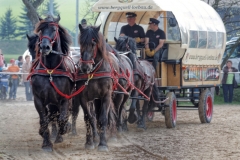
(14, 75)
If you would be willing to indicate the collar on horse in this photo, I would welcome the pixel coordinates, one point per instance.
(50, 72)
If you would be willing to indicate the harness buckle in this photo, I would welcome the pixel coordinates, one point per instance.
(90, 76)
(50, 73)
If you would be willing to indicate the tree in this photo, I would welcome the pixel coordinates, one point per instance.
(87, 13)
(32, 6)
(27, 26)
(45, 8)
(8, 26)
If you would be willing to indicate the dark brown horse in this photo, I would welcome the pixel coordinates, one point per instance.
(99, 74)
(144, 78)
(52, 77)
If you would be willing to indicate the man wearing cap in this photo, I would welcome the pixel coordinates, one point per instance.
(84, 23)
(132, 29)
(154, 41)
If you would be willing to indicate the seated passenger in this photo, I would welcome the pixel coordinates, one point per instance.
(154, 41)
(132, 29)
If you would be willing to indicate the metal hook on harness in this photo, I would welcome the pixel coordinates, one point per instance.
(90, 76)
(50, 73)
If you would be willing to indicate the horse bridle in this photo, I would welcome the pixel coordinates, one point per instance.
(94, 56)
(55, 37)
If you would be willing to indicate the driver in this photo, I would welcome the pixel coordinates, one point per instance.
(154, 41)
(132, 29)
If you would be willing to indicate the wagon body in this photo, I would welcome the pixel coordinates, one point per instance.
(195, 42)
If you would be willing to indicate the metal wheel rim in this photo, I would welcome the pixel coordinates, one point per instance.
(174, 110)
(209, 107)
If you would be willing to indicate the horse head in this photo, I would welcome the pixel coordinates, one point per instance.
(52, 37)
(90, 43)
(125, 43)
(32, 41)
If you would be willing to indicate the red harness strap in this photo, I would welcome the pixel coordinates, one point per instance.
(65, 95)
(55, 72)
(95, 75)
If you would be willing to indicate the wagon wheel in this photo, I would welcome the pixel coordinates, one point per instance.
(171, 110)
(150, 115)
(205, 107)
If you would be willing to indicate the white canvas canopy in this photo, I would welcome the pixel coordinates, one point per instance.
(199, 29)
(190, 14)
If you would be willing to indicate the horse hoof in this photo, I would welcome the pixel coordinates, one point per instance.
(140, 126)
(59, 139)
(132, 118)
(89, 147)
(102, 148)
(47, 148)
(120, 129)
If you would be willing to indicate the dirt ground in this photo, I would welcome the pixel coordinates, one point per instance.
(19, 138)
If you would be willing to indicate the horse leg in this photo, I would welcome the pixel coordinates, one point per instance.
(64, 125)
(125, 119)
(88, 121)
(103, 120)
(118, 99)
(75, 111)
(138, 109)
(93, 108)
(141, 122)
(53, 116)
(132, 111)
(122, 121)
(44, 120)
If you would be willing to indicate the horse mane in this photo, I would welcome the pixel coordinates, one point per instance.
(86, 37)
(131, 43)
(63, 35)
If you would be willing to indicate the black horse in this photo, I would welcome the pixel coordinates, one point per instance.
(144, 78)
(52, 77)
(53, 110)
(99, 75)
